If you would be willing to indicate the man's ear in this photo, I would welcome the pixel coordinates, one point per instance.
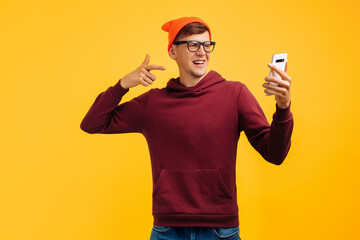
(172, 52)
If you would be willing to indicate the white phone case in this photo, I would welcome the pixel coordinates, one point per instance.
(279, 60)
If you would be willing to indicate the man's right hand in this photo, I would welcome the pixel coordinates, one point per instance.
(141, 75)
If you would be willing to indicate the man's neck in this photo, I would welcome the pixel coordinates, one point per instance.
(189, 80)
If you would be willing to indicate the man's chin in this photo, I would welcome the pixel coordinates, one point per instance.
(198, 74)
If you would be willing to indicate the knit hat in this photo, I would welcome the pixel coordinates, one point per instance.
(174, 26)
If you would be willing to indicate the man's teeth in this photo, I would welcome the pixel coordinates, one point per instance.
(199, 62)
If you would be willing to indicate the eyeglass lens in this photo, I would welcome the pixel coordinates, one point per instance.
(194, 46)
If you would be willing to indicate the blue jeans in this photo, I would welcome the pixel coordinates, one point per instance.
(194, 233)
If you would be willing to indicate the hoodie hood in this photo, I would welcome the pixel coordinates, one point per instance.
(210, 79)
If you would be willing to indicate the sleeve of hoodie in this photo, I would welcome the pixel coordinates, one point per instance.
(271, 141)
(106, 116)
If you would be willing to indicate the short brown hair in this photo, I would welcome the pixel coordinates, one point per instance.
(190, 29)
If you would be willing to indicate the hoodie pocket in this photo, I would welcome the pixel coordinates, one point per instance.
(199, 191)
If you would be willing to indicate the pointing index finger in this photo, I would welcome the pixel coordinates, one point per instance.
(155, 67)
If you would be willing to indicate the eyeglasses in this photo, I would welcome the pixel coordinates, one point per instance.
(194, 46)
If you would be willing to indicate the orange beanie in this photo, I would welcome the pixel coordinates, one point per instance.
(174, 27)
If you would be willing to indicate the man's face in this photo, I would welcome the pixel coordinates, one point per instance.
(192, 64)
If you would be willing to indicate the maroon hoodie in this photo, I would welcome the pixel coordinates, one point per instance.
(192, 135)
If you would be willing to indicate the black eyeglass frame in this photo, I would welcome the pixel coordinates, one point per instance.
(201, 43)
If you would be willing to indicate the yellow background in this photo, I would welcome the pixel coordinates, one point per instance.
(58, 182)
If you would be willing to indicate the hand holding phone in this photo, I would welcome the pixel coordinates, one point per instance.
(279, 60)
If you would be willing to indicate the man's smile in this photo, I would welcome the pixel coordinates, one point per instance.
(199, 62)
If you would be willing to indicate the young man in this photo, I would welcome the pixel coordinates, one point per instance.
(192, 128)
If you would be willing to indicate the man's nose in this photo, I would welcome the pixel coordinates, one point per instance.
(201, 50)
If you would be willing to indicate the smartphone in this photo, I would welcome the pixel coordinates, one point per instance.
(279, 60)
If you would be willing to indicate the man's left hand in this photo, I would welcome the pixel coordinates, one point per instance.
(282, 90)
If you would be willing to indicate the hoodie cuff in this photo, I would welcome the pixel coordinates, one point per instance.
(283, 114)
(118, 91)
